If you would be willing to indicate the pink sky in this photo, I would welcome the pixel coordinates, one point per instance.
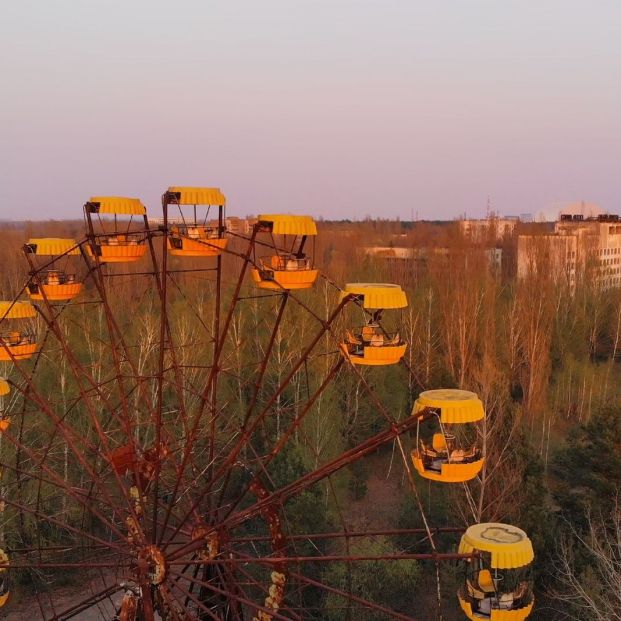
(337, 109)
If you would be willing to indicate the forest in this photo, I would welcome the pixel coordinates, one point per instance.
(541, 353)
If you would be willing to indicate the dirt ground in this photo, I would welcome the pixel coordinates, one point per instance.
(385, 488)
(63, 599)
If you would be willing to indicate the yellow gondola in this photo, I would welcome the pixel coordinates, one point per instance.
(448, 457)
(371, 344)
(116, 246)
(498, 586)
(290, 268)
(4, 579)
(5, 389)
(54, 282)
(192, 237)
(15, 344)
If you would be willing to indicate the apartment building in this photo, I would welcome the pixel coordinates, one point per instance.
(492, 229)
(419, 261)
(577, 244)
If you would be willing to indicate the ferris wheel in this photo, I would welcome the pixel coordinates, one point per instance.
(158, 379)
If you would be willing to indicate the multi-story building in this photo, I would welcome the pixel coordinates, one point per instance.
(418, 261)
(401, 261)
(557, 254)
(496, 234)
(492, 229)
(239, 226)
(577, 244)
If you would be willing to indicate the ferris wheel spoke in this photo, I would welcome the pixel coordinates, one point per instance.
(350, 597)
(166, 343)
(117, 339)
(234, 584)
(220, 575)
(63, 525)
(406, 464)
(73, 440)
(205, 397)
(175, 606)
(61, 485)
(188, 485)
(195, 314)
(113, 410)
(247, 434)
(311, 478)
(78, 369)
(93, 600)
(346, 596)
(188, 596)
(349, 534)
(222, 336)
(295, 425)
(187, 585)
(258, 382)
(253, 581)
(347, 458)
(238, 598)
(76, 565)
(96, 449)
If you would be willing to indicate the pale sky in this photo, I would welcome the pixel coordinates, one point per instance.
(335, 108)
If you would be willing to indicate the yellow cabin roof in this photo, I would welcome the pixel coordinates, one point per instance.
(5, 389)
(198, 196)
(456, 406)
(116, 205)
(377, 295)
(509, 546)
(283, 224)
(16, 310)
(51, 246)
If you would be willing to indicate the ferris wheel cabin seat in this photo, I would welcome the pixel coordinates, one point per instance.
(52, 282)
(191, 237)
(371, 345)
(290, 268)
(448, 458)
(118, 245)
(497, 586)
(16, 344)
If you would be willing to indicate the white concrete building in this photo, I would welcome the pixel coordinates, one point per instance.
(492, 229)
(576, 245)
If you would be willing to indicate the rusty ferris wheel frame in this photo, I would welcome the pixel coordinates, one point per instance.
(164, 499)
